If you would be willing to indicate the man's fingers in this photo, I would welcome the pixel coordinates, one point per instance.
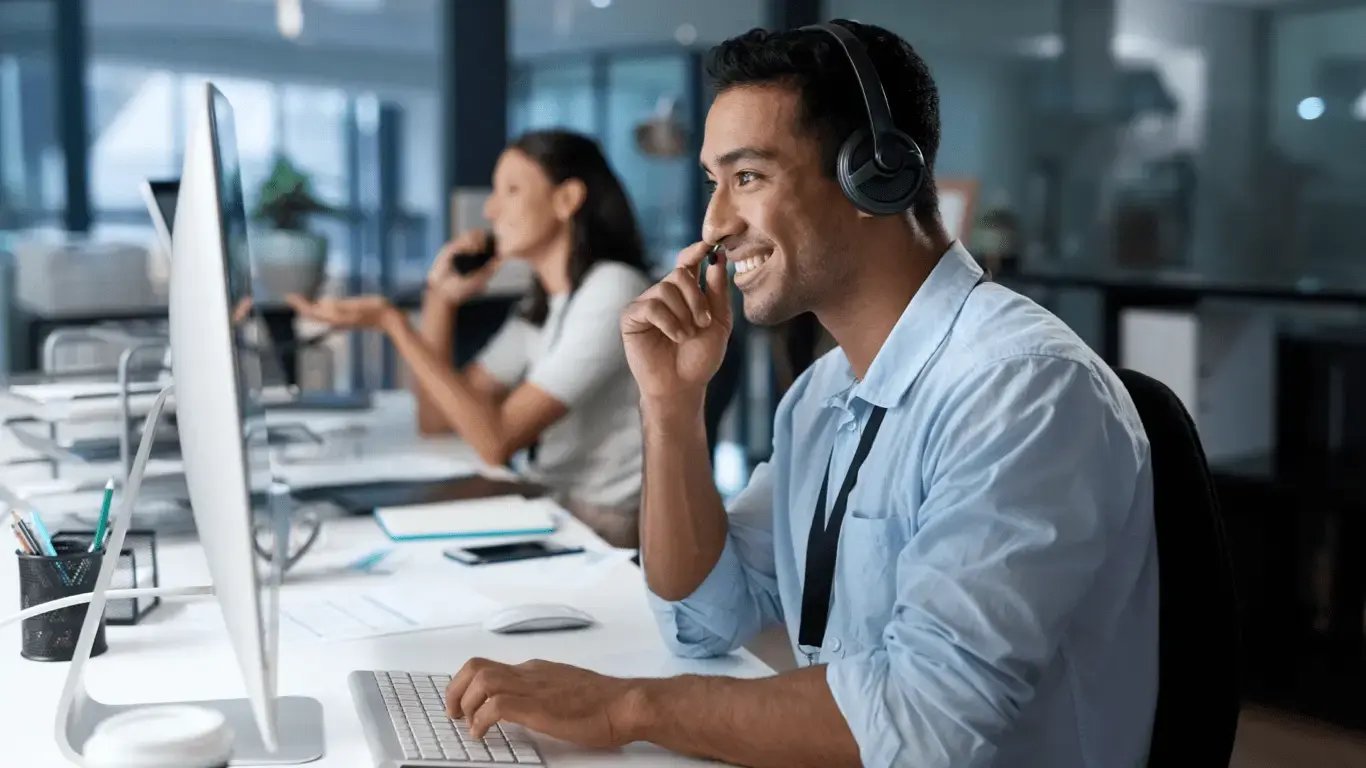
(484, 685)
(686, 284)
(652, 314)
(495, 709)
(672, 296)
(456, 688)
(693, 255)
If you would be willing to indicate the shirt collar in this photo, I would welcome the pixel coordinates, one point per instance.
(923, 326)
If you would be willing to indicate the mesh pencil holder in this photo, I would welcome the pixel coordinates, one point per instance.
(53, 635)
(137, 567)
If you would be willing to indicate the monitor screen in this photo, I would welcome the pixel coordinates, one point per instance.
(164, 194)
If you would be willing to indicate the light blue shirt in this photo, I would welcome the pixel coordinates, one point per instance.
(995, 593)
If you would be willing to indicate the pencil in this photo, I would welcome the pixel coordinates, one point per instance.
(23, 543)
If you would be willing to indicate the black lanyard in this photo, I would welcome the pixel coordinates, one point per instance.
(822, 546)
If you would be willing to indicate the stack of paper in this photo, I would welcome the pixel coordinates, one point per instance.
(378, 467)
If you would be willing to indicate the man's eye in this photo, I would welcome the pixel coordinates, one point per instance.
(744, 177)
(711, 186)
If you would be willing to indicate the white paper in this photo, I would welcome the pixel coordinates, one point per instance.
(381, 467)
(351, 614)
(60, 391)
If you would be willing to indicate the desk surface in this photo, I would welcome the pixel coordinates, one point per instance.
(180, 651)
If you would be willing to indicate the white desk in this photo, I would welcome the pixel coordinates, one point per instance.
(180, 651)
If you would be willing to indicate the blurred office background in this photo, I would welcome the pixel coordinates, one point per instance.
(1183, 181)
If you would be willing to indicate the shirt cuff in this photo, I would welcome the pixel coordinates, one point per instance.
(858, 685)
(705, 622)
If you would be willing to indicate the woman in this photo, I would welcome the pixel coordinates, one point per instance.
(554, 379)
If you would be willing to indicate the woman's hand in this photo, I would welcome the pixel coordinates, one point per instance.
(357, 312)
(449, 285)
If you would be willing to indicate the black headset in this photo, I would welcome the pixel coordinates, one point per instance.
(880, 171)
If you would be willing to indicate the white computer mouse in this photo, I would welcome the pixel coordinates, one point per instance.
(537, 618)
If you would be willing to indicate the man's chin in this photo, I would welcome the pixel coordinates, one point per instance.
(764, 311)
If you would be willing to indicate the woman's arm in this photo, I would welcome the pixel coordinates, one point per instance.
(496, 427)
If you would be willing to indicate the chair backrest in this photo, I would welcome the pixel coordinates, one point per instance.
(1198, 694)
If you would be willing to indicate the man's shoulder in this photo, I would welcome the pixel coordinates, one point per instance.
(997, 324)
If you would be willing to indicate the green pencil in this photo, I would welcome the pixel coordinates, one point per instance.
(98, 541)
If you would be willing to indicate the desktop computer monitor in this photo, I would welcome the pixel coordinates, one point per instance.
(217, 371)
(160, 197)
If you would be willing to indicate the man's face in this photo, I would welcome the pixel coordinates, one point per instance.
(785, 223)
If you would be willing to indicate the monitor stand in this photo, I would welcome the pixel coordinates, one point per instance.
(299, 719)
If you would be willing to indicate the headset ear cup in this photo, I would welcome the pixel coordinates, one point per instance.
(871, 189)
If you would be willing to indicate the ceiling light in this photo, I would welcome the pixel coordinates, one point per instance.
(1311, 108)
(289, 18)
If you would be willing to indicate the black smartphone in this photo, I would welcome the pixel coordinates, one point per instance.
(465, 263)
(506, 553)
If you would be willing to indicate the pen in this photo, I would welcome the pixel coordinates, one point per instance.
(44, 541)
(21, 529)
(23, 542)
(98, 541)
(41, 535)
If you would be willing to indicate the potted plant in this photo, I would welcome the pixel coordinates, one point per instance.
(288, 257)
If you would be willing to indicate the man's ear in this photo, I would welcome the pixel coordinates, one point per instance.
(568, 198)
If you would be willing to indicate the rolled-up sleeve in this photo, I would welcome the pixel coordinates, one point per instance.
(740, 595)
(1032, 472)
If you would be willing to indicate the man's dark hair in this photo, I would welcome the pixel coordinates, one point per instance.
(831, 102)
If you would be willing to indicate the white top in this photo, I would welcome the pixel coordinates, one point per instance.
(593, 454)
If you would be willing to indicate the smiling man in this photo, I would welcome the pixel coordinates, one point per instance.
(956, 523)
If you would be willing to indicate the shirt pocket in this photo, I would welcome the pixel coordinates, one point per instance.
(870, 541)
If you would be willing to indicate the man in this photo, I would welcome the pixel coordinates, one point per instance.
(993, 596)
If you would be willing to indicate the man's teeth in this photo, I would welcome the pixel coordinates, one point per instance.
(753, 262)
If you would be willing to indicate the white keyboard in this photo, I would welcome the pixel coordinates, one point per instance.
(404, 715)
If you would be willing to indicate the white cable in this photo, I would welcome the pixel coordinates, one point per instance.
(113, 594)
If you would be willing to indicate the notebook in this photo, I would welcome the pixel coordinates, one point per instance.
(492, 516)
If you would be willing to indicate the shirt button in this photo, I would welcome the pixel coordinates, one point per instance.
(835, 645)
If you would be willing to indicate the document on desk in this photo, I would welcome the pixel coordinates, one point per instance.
(63, 391)
(398, 466)
(353, 614)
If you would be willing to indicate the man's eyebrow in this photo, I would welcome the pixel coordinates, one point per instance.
(741, 153)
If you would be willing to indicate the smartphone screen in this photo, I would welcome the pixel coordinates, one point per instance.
(503, 553)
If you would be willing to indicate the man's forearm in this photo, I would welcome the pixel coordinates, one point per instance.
(787, 720)
(683, 524)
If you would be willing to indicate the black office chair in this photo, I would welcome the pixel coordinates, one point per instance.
(1198, 656)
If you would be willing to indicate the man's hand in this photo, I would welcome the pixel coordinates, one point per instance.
(358, 312)
(675, 336)
(565, 702)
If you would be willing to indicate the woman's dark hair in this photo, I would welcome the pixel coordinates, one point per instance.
(832, 105)
(604, 227)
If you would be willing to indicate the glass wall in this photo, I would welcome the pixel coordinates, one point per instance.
(32, 167)
(1225, 138)
(311, 100)
(619, 98)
